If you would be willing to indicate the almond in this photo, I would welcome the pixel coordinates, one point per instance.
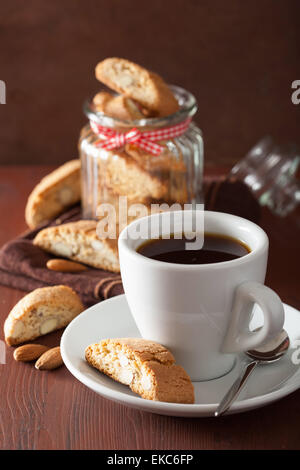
(48, 325)
(65, 266)
(50, 360)
(29, 352)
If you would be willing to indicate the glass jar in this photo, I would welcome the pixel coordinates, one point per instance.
(270, 171)
(129, 174)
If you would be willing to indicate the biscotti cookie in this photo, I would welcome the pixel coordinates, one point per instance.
(125, 177)
(147, 367)
(166, 161)
(138, 83)
(118, 107)
(79, 241)
(40, 312)
(100, 100)
(57, 191)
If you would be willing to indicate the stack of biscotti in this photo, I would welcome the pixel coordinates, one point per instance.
(149, 183)
(132, 172)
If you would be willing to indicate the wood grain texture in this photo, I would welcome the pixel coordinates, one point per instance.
(52, 410)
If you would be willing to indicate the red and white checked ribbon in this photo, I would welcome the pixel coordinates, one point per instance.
(111, 139)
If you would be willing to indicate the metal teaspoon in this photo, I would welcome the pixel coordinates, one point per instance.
(269, 352)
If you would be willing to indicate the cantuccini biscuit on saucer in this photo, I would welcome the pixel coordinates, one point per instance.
(138, 83)
(147, 367)
(79, 241)
(40, 312)
(119, 107)
(57, 191)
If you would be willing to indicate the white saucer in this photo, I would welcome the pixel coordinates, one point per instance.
(112, 318)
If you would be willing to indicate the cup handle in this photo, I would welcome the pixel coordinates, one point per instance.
(238, 337)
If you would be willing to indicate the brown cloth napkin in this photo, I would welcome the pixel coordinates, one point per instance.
(23, 265)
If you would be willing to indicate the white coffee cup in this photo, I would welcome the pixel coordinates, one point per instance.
(200, 312)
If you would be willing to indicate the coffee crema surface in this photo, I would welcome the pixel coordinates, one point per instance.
(216, 248)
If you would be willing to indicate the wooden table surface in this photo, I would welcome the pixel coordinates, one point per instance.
(52, 410)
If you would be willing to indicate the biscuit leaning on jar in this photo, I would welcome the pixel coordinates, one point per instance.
(43, 310)
(56, 192)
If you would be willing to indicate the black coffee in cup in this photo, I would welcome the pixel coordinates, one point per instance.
(216, 249)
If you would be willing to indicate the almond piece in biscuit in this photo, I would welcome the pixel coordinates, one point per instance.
(147, 367)
(119, 107)
(40, 312)
(78, 241)
(57, 191)
(138, 83)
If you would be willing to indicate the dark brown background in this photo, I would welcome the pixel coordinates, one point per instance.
(238, 57)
